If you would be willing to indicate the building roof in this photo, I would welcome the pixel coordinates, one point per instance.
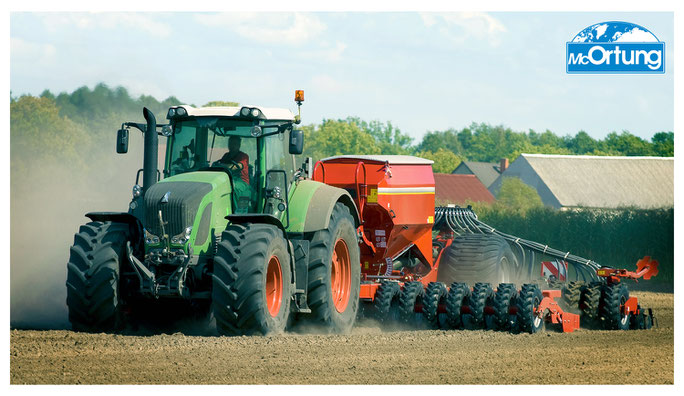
(486, 172)
(605, 182)
(456, 189)
(391, 159)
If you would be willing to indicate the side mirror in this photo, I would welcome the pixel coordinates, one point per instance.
(122, 141)
(296, 142)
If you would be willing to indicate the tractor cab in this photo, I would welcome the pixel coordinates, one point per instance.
(250, 144)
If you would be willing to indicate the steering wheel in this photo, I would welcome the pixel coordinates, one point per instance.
(237, 165)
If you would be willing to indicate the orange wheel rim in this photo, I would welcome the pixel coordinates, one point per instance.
(274, 286)
(340, 275)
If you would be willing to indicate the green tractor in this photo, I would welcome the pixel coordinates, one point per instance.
(230, 224)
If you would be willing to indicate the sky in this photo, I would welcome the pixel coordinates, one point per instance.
(420, 71)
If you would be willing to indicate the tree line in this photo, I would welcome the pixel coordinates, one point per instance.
(89, 116)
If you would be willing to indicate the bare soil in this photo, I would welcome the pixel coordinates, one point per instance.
(367, 356)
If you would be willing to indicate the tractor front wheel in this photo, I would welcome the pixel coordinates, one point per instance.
(93, 270)
(251, 280)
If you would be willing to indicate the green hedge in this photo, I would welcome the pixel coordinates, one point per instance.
(616, 238)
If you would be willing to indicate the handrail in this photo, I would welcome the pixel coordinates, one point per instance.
(313, 177)
(361, 198)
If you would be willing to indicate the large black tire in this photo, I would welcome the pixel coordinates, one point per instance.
(477, 258)
(572, 293)
(589, 304)
(334, 311)
(613, 298)
(435, 294)
(411, 295)
(481, 297)
(241, 303)
(528, 300)
(505, 297)
(385, 304)
(457, 298)
(93, 292)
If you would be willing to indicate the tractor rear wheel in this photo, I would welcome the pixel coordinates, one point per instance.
(481, 297)
(251, 280)
(93, 292)
(477, 258)
(334, 273)
(505, 298)
(435, 294)
(385, 304)
(528, 300)
(411, 296)
(457, 298)
(613, 301)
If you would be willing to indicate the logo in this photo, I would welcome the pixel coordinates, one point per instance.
(165, 198)
(615, 48)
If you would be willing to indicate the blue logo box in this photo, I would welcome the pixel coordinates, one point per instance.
(616, 57)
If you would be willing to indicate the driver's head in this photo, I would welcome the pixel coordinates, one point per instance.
(234, 143)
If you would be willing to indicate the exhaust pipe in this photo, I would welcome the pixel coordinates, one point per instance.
(151, 150)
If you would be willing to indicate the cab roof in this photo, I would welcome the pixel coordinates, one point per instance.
(271, 113)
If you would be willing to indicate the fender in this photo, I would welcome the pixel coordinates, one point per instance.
(312, 203)
(115, 217)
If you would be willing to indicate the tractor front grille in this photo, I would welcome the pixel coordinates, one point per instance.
(179, 213)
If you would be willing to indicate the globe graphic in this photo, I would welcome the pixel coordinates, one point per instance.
(609, 32)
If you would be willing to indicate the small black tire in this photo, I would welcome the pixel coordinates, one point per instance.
(325, 304)
(435, 294)
(411, 296)
(572, 293)
(93, 292)
(250, 257)
(506, 297)
(481, 297)
(529, 298)
(477, 258)
(385, 304)
(457, 297)
(613, 298)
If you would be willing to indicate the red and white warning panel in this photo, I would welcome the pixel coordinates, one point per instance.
(557, 268)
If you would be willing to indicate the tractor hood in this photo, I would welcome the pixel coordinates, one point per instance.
(181, 198)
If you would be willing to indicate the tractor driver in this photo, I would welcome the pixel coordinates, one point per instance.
(238, 162)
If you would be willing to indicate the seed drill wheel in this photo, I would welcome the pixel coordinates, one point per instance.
(93, 292)
(589, 304)
(612, 305)
(411, 296)
(572, 293)
(505, 298)
(435, 294)
(529, 298)
(334, 273)
(251, 280)
(481, 297)
(477, 258)
(386, 302)
(457, 298)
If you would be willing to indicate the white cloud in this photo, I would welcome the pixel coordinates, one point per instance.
(462, 26)
(107, 20)
(22, 51)
(327, 53)
(327, 84)
(269, 28)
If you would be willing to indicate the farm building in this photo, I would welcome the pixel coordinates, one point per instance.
(486, 172)
(568, 181)
(457, 189)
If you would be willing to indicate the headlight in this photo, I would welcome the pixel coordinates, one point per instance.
(255, 112)
(256, 131)
(181, 111)
(244, 111)
(182, 238)
(137, 191)
(172, 113)
(150, 239)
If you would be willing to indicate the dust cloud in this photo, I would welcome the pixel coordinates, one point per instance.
(48, 202)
